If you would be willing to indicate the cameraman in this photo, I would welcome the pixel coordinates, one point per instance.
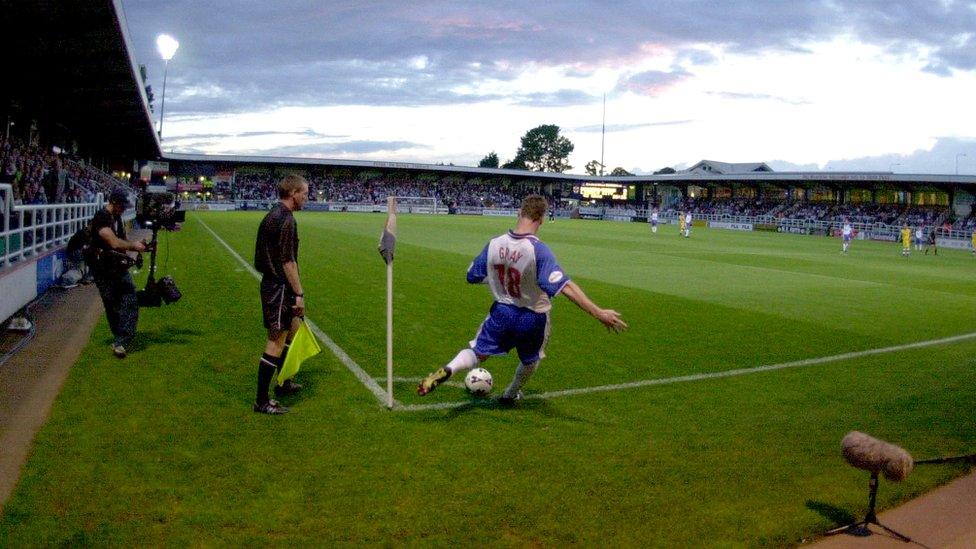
(110, 264)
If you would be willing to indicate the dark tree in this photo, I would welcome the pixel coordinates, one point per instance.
(593, 167)
(618, 171)
(489, 161)
(517, 163)
(544, 150)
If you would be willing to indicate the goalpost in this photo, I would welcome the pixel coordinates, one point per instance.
(416, 204)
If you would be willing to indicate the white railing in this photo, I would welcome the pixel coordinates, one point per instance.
(27, 231)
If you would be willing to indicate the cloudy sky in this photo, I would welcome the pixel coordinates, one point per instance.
(832, 84)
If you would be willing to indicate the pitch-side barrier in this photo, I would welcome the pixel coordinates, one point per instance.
(863, 231)
(32, 240)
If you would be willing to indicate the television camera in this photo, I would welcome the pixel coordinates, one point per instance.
(158, 211)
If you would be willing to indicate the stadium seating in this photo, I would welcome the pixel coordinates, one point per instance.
(39, 176)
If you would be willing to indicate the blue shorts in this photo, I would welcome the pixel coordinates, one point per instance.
(847, 238)
(508, 327)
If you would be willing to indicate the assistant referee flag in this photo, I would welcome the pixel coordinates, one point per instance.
(303, 347)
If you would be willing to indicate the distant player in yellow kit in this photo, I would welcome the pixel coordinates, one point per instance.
(681, 223)
(974, 242)
(906, 240)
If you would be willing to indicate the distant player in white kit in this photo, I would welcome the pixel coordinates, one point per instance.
(523, 276)
(846, 233)
(653, 220)
(919, 238)
(687, 224)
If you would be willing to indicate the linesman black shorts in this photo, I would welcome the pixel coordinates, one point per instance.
(277, 300)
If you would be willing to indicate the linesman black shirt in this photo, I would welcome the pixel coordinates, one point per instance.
(277, 243)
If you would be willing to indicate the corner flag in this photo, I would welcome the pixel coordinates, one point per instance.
(388, 238)
(303, 347)
(387, 244)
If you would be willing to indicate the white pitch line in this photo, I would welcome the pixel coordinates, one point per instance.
(350, 364)
(397, 379)
(700, 377)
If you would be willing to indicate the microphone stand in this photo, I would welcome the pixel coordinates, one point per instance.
(860, 529)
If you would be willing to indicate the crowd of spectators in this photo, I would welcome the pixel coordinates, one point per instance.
(967, 223)
(374, 190)
(731, 207)
(865, 213)
(925, 216)
(41, 176)
(888, 214)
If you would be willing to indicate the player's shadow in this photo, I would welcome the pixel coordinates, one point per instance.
(506, 412)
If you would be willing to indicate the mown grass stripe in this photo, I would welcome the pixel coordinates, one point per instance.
(346, 360)
(701, 377)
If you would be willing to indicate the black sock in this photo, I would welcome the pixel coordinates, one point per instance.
(266, 371)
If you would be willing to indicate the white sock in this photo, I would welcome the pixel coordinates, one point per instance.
(465, 360)
(522, 374)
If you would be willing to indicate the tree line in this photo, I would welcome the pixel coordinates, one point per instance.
(542, 149)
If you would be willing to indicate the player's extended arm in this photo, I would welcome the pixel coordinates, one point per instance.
(610, 318)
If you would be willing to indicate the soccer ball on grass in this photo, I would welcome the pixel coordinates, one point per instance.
(478, 382)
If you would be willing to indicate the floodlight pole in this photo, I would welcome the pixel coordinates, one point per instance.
(162, 106)
(603, 132)
(167, 46)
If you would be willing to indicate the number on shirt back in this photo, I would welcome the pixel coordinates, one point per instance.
(510, 279)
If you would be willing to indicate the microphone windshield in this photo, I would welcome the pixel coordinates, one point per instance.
(877, 456)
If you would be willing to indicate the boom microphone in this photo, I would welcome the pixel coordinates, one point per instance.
(876, 456)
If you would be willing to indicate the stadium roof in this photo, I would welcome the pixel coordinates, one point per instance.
(68, 64)
(372, 164)
(714, 167)
(760, 172)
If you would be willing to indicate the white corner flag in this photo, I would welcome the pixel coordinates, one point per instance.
(387, 245)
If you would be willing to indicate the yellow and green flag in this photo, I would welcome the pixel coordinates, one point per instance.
(303, 347)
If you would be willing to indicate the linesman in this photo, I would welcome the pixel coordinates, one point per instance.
(282, 296)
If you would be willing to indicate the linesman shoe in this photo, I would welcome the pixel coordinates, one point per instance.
(287, 388)
(432, 380)
(270, 407)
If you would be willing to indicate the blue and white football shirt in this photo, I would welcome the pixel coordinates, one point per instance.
(520, 270)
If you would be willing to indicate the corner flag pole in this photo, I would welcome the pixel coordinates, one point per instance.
(387, 243)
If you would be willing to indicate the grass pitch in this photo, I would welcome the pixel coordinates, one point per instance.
(162, 448)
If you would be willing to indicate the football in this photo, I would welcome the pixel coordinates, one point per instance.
(478, 382)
